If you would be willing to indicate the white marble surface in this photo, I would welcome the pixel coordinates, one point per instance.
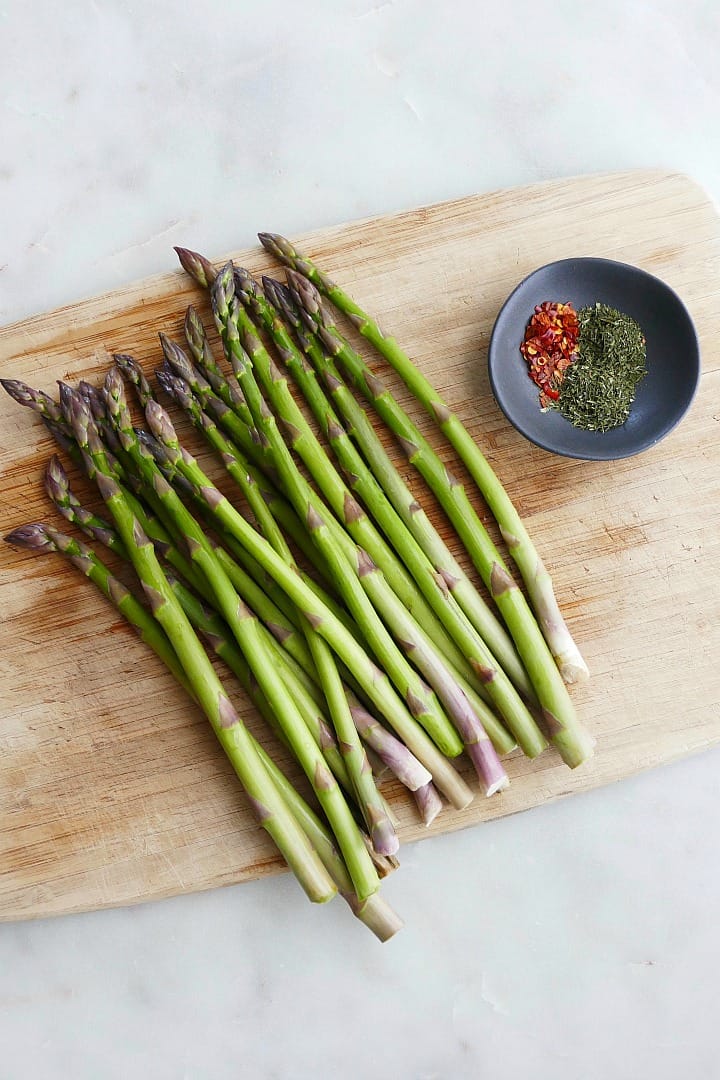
(577, 942)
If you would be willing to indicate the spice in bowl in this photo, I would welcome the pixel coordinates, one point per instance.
(549, 347)
(587, 364)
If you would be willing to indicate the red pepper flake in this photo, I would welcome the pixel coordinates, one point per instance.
(550, 346)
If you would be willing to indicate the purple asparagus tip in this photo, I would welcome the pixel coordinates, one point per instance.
(56, 479)
(161, 424)
(33, 537)
(245, 285)
(276, 245)
(67, 396)
(197, 266)
(37, 400)
(222, 292)
(195, 332)
(172, 384)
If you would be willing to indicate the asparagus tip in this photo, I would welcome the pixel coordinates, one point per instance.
(34, 537)
(197, 266)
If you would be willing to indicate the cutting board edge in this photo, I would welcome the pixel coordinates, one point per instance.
(159, 281)
(276, 866)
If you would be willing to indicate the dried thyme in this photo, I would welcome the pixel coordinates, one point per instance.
(599, 386)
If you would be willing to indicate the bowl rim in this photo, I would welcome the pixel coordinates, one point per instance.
(641, 445)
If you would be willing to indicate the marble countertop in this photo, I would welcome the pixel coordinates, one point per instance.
(576, 942)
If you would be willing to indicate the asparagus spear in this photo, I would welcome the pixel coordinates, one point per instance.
(402, 498)
(521, 547)
(475, 659)
(245, 628)
(269, 807)
(244, 434)
(37, 400)
(308, 448)
(358, 768)
(341, 554)
(563, 727)
(372, 680)
(374, 912)
(224, 385)
(428, 803)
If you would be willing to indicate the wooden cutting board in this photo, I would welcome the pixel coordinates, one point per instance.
(112, 789)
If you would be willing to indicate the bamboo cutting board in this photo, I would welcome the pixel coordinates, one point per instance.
(112, 789)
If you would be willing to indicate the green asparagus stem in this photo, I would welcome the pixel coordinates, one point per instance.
(521, 547)
(475, 661)
(360, 428)
(372, 680)
(564, 729)
(248, 635)
(344, 556)
(347, 570)
(232, 734)
(368, 797)
(308, 448)
(374, 912)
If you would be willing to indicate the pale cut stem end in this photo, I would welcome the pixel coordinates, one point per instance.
(428, 802)
(377, 915)
(572, 667)
(489, 768)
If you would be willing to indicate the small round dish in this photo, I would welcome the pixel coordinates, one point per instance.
(673, 357)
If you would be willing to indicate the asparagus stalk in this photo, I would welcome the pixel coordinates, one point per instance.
(248, 635)
(447, 568)
(38, 401)
(414, 642)
(342, 557)
(474, 660)
(203, 618)
(563, 727)
(224, 385)
(521, 547)
(358, 768)
(372, 680)
(269, 807)
(244, 434)
(428, 803)
(393, 753)
(374, 912)
(308, 448)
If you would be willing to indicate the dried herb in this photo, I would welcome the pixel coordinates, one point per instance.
(549, 347)
(599, 386)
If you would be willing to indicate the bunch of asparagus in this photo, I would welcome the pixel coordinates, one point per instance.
(324, 587)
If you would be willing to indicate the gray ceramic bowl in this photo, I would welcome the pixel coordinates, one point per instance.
(673, 357)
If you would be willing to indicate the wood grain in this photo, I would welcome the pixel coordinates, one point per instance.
(112, 789)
